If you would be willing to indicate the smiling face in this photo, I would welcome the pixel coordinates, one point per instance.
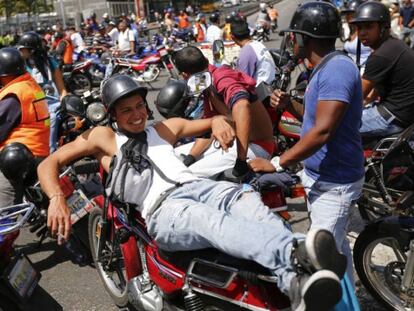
(369, 33)
(131, 114)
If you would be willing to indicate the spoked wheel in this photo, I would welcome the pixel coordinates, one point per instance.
(110, 266)
(380, 263)
(80, 83)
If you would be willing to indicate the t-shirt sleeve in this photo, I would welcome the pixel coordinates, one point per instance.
(131, 36)
(338, 80)
(10, 116)
(247, 61)
(377, 68)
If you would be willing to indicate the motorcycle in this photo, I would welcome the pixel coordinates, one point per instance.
(19, 277)
(145, 70)
(77, 78)
(137, 274)
(261, 33)
(384, 250)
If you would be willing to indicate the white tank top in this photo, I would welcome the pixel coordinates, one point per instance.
(162, 154)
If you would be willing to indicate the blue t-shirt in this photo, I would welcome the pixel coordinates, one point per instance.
(341, 160)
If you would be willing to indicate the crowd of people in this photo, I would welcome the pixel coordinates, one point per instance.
(343, 105)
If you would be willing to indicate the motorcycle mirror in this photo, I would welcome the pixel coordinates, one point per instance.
(73, 105)
(301, 87)
(218, 50)
(198, 83)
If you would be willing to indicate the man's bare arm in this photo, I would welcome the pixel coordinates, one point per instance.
(48, 172)
(367, 87)
(241, 114)
(200, 145)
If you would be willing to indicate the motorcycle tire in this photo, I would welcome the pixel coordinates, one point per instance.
(381, 282)
(79, 83)
(116, 289)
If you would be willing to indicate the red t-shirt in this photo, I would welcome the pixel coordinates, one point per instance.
(231, 85)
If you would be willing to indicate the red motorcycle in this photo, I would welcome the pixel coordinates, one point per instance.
(18, 276)
(144, 70)
(139, 275)
(77, 77)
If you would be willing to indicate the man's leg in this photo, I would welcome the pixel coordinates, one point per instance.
(215, 161)
(9, 194)
(329, 206)
(199, 215)
(373, 124)
(52, 106)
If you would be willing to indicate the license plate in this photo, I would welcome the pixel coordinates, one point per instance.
(79, 205)
(22, 277)
(163, 52)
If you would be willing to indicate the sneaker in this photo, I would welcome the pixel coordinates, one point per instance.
(320, 291)
(319, 252)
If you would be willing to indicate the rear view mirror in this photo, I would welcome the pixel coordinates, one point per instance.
(199, 82)
(73, 105)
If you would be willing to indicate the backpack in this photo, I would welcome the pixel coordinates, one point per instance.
(130, 174)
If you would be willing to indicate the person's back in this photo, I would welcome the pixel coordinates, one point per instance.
(256, 60)
(390, 67)
(331, 163)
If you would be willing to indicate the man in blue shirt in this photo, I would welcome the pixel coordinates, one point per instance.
(330, 143)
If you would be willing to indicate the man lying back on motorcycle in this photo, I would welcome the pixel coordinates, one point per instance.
(389, 72)
(199, 213)
(231, 93)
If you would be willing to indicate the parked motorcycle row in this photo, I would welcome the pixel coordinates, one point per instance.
(140, 276)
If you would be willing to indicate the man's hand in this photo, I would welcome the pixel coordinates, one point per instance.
(58, 218)
(223, 131)
(279, 99)
(261, 165)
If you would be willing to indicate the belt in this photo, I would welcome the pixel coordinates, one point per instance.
(387, 115)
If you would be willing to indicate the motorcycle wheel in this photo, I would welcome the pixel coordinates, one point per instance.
(80, 83)
(111, 268)
(380, 262)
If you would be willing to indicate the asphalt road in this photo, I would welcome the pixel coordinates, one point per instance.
(67, 286)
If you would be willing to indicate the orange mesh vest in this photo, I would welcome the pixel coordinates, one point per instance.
(34, 127)
(183, 22)
(68, 54)
(200, 33)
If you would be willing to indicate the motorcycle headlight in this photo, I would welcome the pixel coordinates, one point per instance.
(96, 112)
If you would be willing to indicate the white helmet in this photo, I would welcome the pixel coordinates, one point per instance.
(262, 6)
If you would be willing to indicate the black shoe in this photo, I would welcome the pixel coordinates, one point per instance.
(320, 291)
(319, 252)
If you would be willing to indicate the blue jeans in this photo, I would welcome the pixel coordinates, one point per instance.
(53, 104)
(329, 207)
(228, 217)
(374, 125)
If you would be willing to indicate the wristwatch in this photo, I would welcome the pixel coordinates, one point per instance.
(275, 162)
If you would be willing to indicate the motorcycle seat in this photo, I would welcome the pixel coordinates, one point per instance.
(182, 259)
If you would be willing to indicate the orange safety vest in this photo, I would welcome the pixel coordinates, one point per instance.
(201, 36)
(34, 127)
(183, 22)
(68, 53)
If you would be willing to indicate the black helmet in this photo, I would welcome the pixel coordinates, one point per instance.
(120, 86)
(172, 99)
(316, 19)
(372, 12)
(351, 7)
(30, 40)
(11, 62)
(17, 161)
(228, 19)
(101, 27)
(214, 18)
